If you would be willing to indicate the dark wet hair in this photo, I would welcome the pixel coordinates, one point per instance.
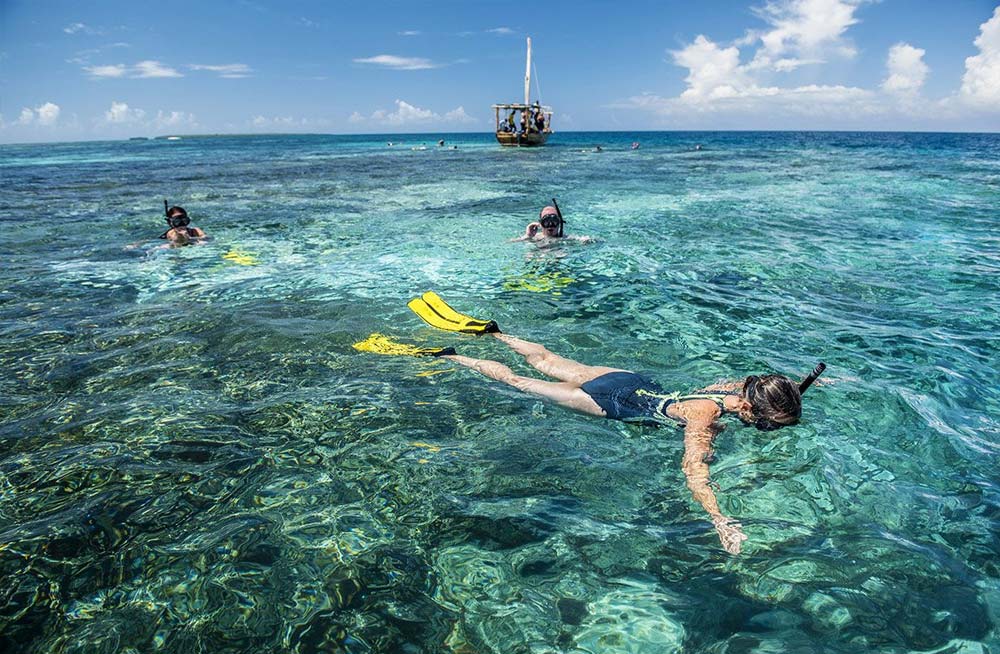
(177, 217)
(775, 400)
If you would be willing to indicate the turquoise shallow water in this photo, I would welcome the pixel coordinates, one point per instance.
(193, 457)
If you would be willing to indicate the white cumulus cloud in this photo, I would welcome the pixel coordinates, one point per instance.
(981, 81)
(408, 114)
(713, 72)
(802, 32)
(907, 70)
(735, 81)
(120, 113)
(398, 63)
(45, 115)
(458, 115)
(174, 119)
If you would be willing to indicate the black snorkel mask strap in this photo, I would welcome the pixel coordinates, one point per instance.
(811, 377)
(559, 213)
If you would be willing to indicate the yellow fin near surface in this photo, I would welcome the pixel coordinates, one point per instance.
(539, 283)
(241, 258)
(381, 344)
(437, 313)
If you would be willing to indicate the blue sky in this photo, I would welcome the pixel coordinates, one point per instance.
(114, 69)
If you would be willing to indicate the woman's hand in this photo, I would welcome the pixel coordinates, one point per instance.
(730, 533)
(533, 228)
(177, 237)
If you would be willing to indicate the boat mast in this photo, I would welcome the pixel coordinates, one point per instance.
(527, 73)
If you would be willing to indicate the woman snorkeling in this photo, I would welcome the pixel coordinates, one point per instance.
(767, 402)
(549, 227)
(181, 232)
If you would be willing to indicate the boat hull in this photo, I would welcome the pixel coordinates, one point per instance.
(530, 140)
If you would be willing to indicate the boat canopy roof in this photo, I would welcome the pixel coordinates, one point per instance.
(520, 106)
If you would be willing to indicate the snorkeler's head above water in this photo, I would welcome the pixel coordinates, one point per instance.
(774, 401)
(181, 231)
(551, 221)
(176, 216)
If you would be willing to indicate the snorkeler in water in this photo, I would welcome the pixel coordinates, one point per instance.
(549, 226)
(767, 402)
(181, 232)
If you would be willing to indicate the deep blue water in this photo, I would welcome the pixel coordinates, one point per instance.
(194, 458)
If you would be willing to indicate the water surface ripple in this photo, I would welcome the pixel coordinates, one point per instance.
(193, 458)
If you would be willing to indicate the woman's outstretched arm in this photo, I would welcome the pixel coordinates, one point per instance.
(698, 436)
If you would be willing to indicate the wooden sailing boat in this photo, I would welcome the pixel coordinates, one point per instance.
(523, 125)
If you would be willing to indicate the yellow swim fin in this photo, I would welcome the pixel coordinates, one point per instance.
(380, 344)
(241, 258)
(436, 313)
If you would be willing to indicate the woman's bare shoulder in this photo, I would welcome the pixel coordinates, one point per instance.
(695, 412)
(724, 385)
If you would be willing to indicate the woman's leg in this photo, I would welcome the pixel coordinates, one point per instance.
(565, 394)
(553, 365)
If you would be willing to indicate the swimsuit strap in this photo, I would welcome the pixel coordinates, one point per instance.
(715, 396)
(666, 399)
(659, 413)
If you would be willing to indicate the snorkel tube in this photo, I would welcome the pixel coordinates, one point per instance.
(811, 377)
(559, 213)
(166, 212)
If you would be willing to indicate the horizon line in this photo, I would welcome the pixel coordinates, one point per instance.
(426, 134)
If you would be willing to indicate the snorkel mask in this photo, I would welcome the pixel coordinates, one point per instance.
(552, 217)
(179, 217)
(753, 394)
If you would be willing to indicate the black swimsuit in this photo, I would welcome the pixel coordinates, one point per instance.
(633, 398)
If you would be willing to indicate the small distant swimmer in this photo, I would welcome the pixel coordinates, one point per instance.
(441, 142)
(635, 145)
(390, 144)
(181, 232)
(549, 226)
(598, 149)
(698, 147)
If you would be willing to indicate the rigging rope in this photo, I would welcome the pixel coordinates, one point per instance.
(538, 87)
